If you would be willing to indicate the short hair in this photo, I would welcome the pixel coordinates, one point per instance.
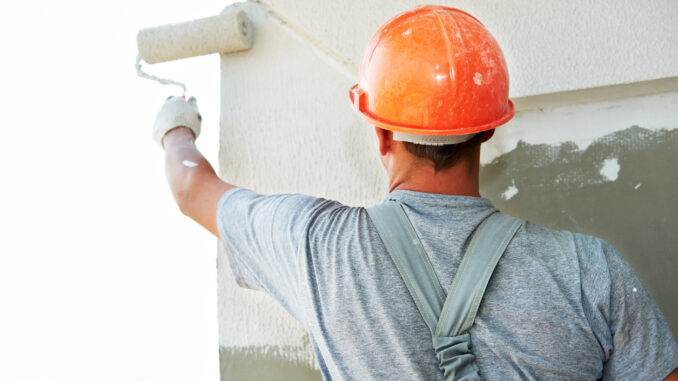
(445, 156)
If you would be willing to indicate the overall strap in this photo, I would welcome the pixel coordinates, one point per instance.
(412, 262)
(468, 287)
(451, 340)
(448, 318)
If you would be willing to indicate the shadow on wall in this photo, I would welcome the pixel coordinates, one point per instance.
(621, 188)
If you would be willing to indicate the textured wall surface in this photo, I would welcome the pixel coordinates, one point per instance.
(550, 46)
(286, 126)
(603, 168)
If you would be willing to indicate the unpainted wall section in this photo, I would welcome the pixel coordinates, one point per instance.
(286, 126)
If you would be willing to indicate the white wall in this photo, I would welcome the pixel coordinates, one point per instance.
(285, 126)
(550, 46)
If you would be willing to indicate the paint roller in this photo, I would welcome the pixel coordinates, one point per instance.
(229, 32)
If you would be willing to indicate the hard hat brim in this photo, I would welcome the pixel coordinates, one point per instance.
(359, 106)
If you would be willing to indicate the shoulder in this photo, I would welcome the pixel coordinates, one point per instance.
(335, 221)
(241, 202)
(241, 206)
(584, 248)
(588, 267)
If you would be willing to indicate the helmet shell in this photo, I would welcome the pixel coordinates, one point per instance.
(433, 70)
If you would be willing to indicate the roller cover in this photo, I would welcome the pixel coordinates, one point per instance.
(228, 32)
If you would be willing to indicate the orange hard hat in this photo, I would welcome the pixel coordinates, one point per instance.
(435, 71)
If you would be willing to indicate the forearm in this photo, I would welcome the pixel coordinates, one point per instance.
(194, 183)
(183, 163)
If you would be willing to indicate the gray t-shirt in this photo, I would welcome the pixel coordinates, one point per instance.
(559, 305)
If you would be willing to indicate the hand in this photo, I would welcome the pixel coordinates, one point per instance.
(176, 112)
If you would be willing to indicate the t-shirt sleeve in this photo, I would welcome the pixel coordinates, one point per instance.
(637, 341)
(265, 239)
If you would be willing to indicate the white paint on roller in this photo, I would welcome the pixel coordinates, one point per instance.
(228, 32)
(637, 186)
(511, 191)
(582, 123)
(610, 170)
(189, 163)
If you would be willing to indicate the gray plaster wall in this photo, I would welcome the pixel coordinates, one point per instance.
(286, 126)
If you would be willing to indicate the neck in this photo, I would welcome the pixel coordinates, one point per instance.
(419, 175)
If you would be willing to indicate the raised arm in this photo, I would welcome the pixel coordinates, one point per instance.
(195, 186)
(194, 183)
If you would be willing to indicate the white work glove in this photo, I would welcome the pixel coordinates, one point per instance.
(177, 112)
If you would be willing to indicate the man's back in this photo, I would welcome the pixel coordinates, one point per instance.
(559, 305)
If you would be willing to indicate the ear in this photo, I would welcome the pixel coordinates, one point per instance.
(487, 135)
(385, 138)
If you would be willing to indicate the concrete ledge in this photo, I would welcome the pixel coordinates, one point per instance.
(597, 94)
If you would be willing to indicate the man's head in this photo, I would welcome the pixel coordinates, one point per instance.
(436, 79)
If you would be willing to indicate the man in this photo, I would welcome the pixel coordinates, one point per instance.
(558, 305)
